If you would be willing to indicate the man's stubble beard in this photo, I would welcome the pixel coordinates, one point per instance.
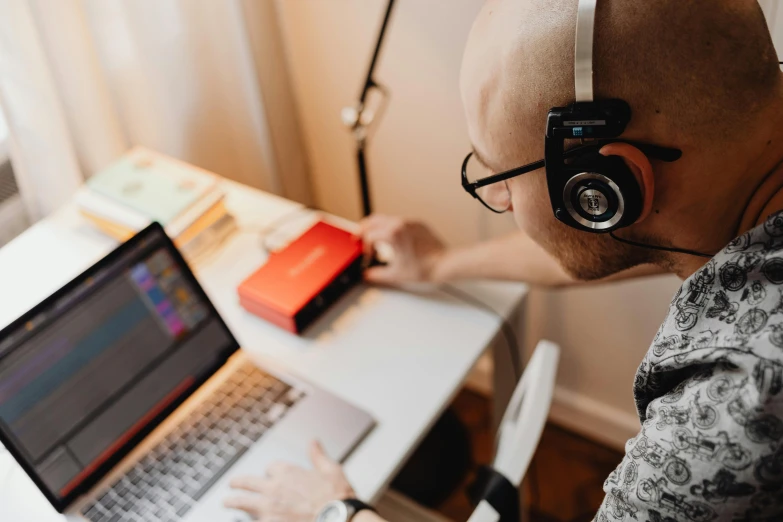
(586, 256)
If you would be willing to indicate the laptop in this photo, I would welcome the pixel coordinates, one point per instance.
(125, 397)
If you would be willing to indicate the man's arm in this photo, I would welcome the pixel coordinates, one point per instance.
(705, 452)
(420, 256)
(517, 258)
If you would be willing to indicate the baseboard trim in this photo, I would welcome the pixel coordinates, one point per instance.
(592, 419)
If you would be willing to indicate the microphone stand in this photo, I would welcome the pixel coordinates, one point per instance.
(359, 118)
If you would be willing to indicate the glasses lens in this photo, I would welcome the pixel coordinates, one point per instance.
(496, 196)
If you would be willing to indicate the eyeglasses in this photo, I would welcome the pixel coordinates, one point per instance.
(491, 189)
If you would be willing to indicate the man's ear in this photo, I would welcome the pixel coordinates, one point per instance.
(641, 168)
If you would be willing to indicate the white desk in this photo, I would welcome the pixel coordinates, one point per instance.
(400, 356)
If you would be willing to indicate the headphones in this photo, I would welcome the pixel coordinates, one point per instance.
(589, 191)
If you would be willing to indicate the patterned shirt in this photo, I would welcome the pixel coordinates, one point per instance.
(709, 394)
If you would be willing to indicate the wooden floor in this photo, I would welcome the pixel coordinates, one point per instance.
(564, 481)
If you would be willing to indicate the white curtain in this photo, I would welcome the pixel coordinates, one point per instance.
(3, 137)
(201, 80)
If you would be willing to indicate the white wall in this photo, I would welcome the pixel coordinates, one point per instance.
(414, 157)
(414, 160)
(773, 9)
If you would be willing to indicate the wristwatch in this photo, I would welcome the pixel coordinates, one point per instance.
(341, 510)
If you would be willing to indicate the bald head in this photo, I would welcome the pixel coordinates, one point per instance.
(677, 63)
(697, 74)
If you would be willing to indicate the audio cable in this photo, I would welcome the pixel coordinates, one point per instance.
(508, 330)
(661, 248)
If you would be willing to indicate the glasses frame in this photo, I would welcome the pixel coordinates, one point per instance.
(472, 187)
(654, 151)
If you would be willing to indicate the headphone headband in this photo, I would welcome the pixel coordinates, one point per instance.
(583, 50)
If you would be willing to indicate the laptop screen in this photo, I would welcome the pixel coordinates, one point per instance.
(88, 373)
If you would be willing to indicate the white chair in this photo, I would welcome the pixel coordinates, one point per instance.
(515, 443)
(523, 422)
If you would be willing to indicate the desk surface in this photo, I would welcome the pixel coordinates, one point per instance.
(401, 356)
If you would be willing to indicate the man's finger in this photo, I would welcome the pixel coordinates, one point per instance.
(374, 221)
(382, 275)
(376, 235)
(254, 484)
(249, 505)
(320, 459)
(367, 223)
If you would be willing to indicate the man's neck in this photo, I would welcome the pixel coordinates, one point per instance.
(765, 170)
(766, 201)
(760, 170)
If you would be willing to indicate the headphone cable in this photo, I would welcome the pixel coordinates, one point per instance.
(508, 330)
(662, 248)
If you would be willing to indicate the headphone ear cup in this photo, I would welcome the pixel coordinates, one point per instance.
(624, 178)
(603, 194)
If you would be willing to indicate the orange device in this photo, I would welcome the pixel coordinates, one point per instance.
(298, 283)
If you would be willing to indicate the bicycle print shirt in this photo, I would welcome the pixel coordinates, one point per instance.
(709, 394)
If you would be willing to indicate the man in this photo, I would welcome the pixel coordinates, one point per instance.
(701, 76)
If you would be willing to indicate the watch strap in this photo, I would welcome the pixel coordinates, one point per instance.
(355, 505)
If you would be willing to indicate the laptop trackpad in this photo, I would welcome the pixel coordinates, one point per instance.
(254, 462)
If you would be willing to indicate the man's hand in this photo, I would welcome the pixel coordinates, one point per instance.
(419, 256)
(416, 249)
(289, 493)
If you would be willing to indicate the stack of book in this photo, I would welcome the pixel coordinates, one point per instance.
(144, 186)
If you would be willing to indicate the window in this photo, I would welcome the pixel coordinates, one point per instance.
(3, 140)
(13, 216)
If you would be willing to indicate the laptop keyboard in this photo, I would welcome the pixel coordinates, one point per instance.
(172, 477)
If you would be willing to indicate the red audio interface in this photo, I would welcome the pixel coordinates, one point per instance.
(301, 281)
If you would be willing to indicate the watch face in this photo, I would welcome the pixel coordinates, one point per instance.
(333, 512)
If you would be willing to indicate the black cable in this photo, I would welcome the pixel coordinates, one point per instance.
(662, 248)
(508, 330)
